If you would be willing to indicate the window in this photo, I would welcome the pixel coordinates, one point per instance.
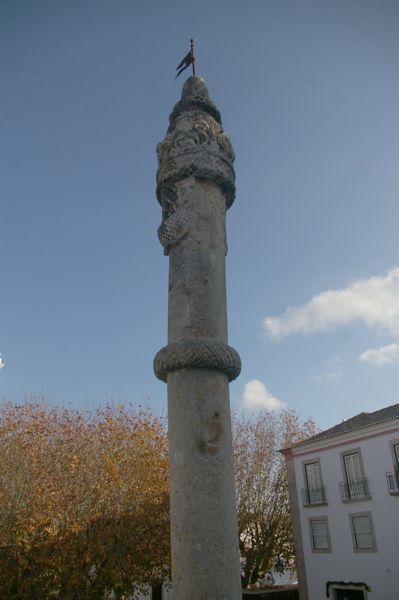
(393, 476)
(353, 467)
(340, 590)
(363, 532)
(348, 593)
(355, 486)
(396, 454)
(319, 535)
(314, 491)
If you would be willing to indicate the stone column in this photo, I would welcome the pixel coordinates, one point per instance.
(195, 186)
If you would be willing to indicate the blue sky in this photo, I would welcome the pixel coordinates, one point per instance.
(309, 95)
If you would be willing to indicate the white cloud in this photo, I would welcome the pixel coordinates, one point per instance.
(256, 395)
(332, 369)
(373, 301)
(385, 355)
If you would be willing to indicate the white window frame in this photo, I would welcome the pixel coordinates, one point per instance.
(354, 497)
(393, 477)
(324, 519)
(313, 501)
(394, 444)
(373, 547)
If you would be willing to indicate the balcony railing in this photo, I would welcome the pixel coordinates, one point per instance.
(393, 482)
(311, 496)
(354, 490)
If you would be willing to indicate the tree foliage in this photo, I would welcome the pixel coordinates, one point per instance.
(83, 502)
(261, 486)
(84, 505)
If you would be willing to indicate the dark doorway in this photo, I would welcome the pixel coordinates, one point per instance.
(342, 594)
(156, 592)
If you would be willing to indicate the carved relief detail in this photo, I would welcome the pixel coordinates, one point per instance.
(174, 227)
(199, 353)
(195, 145)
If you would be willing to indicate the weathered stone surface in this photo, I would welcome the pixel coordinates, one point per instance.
(205, 557)
(199, 354)
(195, 186)
(195, 145)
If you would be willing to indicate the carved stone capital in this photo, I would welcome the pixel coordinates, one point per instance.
(195, 145)
(199, 353)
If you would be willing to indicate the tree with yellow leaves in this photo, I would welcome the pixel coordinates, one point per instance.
(83, 502)
(264, 522)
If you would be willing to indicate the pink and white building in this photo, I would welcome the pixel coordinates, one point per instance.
(344, 495)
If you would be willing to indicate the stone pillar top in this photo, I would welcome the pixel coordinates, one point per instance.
(195, 145)
(195, 96)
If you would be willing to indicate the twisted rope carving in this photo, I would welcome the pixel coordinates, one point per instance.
(200, 353)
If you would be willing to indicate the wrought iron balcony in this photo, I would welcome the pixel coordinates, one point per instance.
(393, 482)
(312, 496)
(354, 490)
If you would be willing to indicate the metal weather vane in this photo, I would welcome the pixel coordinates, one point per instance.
(188, 60)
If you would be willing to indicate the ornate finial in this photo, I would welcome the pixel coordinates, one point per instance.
(194, 96)
(194, 88)
(195, 145)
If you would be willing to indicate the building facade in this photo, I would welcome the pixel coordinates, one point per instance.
(344, 494)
